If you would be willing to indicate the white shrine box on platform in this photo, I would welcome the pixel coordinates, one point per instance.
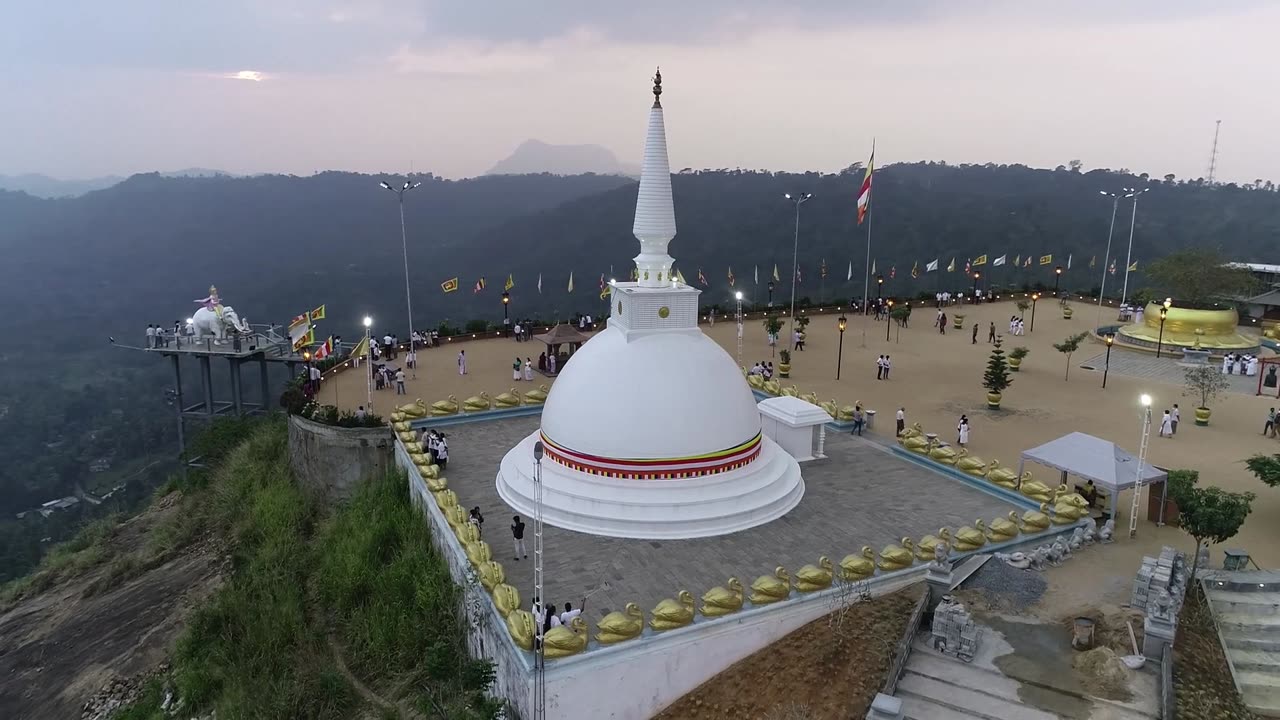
(798, 426)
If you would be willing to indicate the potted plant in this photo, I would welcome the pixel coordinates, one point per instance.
(996, 378)
(957, 321)
(1015, 357)
(1206, 382)
(772, 326)
(784, 363)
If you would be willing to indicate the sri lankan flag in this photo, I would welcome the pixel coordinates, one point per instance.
(732, 279)
(449, 285)
(864, 193)
(304, 339)
(915, 269)
(1046, 259)
(702, 278)
(317, 314)
(980, 260)
(822, 269)
(479, 285)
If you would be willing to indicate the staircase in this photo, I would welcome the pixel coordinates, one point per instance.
(937, 687)
(1249, 621)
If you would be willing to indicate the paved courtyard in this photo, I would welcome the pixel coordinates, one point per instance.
(862, 495)
(1163, 369)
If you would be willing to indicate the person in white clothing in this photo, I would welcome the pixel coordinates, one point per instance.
(570, 612)
(962, 430)
(1166, 425)
(528, 369)
(462, 362)
(516, 367)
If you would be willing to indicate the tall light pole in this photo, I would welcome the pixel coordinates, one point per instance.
(1034, 297)
(506, 319)
(1164, 313)
(1145, 400)
(738, 296)
(1128, 261)
(1057, 275)
(368, 360)
(841, 323)
(1106, 259)
(540, 660)
(879, 287)
(1110, 338)
(887, 317)
(770, 293)
(404, 245)
(976, 275)
(795, 253)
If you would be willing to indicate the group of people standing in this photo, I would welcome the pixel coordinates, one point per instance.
(437, 445)
(1015, 325)
(1239, 364)
(522, 370)
(523, 330)
(883, 365)
(762, 368)
(1169, 423)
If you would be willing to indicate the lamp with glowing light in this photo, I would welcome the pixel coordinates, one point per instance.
(841, 323)
(1164, 313)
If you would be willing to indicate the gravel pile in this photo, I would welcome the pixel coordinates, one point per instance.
(117, 693)
(1005, 587)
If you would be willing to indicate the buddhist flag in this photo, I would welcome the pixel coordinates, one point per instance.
(1027, 262)
(570, 281)
(1046, 259)
(776, 277)
(732, 279)
(602, 283)
(317, 314)
(539, 283)
(323, 350)
(449, 285)
(822, 269)
(999, 261)
(1113, 267)
(893, 270)
(968, 267)
(951, 267)
(605, 288)
(1093, 261)
(931, 267)
(849, 277)
(479, 286)
(864, 193)
(1134, 266)
(511, 282)
(915, 269)
(362, 348)
(981, 260)
(1017, 261)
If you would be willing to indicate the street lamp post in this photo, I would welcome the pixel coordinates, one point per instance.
(540, 660)
(879, 287)
(1057, 275)
(404, 246)
(795, 253)
(841, 323)
(770, 293)
(738, 296)
(1128, 260)
(1164, 312)
(1106, 258)
(1034, 297)
(1110, 338)
(368, 359)
(506, 318)
(976, 275)
(887, 317)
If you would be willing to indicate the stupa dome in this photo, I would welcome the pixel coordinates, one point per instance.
(660, 396)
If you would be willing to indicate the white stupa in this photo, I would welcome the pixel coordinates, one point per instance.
(651, 430)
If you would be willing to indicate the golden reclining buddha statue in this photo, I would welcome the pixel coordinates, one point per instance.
(1209, 329)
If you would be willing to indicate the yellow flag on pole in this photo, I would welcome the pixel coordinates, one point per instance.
(511, 282)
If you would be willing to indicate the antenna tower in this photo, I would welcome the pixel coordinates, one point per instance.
(1213, 154)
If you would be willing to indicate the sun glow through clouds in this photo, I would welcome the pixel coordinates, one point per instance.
(253, 75)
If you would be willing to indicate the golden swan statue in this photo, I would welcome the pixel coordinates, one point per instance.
(429, 472)
(456, 516)
(1064, 513)
(771, 588)
(912, 430)
(928, 544)
(723, 600)
(916, 443)
(845, 414)
(970, 464)
(1034, 522)
(537, 396)
(944, 454)
(506, 598)
(809, 397)
(895, 557)
(671, 614)
(618, 626)
(420, 459)
(1035, 489)
(970, 538)
(415, 409)
(477, 403)
(859, 567)
(478, 552)
(445, 407)
(791, 391)
(756, 381)
(773, 387)
(398, 417)
(1003, 529)
(491, 575)
(1002, 476)
(1065, 494)
(436, 484)
(446, 499)
(508, 399)
(564, 641)
(402, 426)
(413, 447)
(815, 577)
(831, 407)
(467, 533)
(522, 628)
(407, 436)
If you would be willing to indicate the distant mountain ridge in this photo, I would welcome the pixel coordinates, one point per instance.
(44, 186)
(534, 157)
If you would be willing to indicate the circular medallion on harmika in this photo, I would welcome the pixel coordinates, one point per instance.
(663, 312)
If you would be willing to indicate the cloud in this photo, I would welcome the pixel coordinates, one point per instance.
(253, 75)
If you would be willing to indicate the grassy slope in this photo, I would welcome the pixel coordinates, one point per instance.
(368, 577)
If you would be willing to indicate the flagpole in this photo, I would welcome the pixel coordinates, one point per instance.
(1128, 261)
(404, 246)
(866, 268)
(1115, 205)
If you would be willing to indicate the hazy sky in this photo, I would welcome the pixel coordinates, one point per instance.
(91, 87)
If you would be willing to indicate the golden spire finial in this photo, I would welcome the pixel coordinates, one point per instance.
(657, 88)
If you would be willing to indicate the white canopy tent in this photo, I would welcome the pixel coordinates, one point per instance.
(1110, 467)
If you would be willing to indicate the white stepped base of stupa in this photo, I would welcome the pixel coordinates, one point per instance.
(717, 504)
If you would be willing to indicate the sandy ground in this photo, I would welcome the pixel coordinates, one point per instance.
(938, 377)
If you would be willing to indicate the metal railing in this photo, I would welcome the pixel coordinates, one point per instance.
(1168, 701)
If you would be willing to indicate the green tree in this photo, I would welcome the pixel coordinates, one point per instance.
(1266, 468)
(1068, 346)
(1210, 515)
(1205, 382)
(996, 377)
(772, 324)
(1023, 306)
(1196, 277)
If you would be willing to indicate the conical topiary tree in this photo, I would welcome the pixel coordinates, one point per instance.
(996, 378)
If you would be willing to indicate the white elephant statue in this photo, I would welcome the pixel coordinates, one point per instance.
(208, 322)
